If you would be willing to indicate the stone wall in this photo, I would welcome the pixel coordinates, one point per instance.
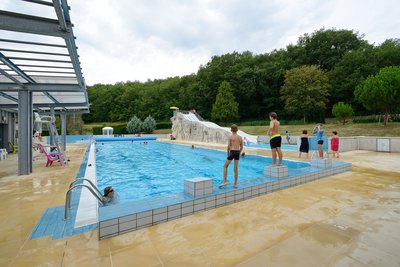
(195, 131)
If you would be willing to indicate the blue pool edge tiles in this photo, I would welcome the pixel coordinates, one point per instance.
(52, 222)
(127, 138)
(126, 217)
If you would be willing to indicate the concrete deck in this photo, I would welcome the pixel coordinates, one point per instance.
(351, 219)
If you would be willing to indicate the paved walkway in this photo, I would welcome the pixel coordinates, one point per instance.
(351, 219)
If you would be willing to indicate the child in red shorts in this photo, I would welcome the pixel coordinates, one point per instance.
(335, 144)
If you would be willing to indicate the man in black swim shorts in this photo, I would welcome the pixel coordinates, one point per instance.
(233, 154)
(275, 141)
(235, 147)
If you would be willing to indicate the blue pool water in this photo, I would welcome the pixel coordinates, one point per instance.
(267, 146)
(139, 171)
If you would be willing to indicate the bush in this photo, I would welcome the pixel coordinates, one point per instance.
(97, 130)
(254, 123)
(134, 125)
(375, 118)
(164, 125)
(148, 125)
(342, 111)
(118, 129)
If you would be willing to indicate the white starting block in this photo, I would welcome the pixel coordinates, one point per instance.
(198, 186)
(277, 171)
(322, 163)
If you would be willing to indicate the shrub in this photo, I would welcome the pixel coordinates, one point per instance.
(164, 125)
(118, 129)
(376, 118)
(149, 125)
(134, 125)
(342, 111)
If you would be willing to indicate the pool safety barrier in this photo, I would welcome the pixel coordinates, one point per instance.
(128, 138)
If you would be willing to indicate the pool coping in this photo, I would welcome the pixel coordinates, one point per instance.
(126, 217)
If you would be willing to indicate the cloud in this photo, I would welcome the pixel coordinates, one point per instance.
(139, 40)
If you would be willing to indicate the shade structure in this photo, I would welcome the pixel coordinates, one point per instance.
(39, 67)
(38, 54)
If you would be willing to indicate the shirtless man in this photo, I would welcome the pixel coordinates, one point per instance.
(235, 147)
(275, 138)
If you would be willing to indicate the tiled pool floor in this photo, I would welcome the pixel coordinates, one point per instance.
(350, 219)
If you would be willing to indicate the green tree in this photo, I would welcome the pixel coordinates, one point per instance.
(326, 47)
(348, 73)
(342, 111)
(305, 91)
(225, 107)
(134, 125)
(149, 124)
(381, 92)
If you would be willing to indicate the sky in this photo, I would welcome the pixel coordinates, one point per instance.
(121, 40)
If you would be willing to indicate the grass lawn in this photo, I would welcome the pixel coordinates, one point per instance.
(350, 129)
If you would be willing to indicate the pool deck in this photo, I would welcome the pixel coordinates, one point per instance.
(350, 219)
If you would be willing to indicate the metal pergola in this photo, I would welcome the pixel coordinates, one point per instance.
(39, 68)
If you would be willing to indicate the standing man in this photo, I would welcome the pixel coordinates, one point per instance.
(235, 147)
(275, 138)
(319, 131)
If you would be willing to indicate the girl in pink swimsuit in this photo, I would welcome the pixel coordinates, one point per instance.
(335, 144)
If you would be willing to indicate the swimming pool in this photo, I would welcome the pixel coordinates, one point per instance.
(139, 171)
(267, 146)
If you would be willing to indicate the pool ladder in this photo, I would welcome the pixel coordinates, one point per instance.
(314, 154)
(93, 189)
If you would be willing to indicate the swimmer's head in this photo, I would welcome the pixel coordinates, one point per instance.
(108, 190)
(305, 132)
(334, 132)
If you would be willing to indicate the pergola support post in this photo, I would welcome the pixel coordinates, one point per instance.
(52, 113)
(24, 132)
(63, 116)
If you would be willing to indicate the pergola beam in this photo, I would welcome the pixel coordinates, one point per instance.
(33, 52)
(17, 22)
(40, 2)
(48, 105)
(31, 43)
(9, 97)
(11, 87)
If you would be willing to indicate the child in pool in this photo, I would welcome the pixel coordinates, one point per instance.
(109, 196)
(335, 144)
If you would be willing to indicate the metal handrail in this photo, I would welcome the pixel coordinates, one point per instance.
(90, 182)
(315, 153)
(68, 198)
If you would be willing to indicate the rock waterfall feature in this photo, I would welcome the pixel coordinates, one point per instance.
(189, 127)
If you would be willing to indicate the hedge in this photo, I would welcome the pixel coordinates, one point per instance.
(164, 125)
(118, 129)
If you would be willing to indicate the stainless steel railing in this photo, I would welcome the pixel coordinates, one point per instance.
(68, 196)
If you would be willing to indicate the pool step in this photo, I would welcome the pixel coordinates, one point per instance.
(52, 224)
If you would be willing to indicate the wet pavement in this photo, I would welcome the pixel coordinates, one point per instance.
(350, 219)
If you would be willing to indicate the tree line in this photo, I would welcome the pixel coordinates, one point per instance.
(257, 81)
